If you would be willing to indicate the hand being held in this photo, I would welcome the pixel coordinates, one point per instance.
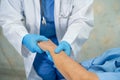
(47, 46)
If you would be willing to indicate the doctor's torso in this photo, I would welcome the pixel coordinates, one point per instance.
(32, 13)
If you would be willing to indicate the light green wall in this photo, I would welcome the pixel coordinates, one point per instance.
(104, 36)
(106, 33)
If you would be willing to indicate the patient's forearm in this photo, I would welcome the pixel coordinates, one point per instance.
(70, 69)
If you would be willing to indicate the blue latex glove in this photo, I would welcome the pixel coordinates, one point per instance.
(49, 56)
(30, 41)
(63, 46)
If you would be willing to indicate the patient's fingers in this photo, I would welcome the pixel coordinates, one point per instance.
(46, 45)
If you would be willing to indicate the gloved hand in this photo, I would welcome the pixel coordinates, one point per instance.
(30, 41)
(63, 46)
(49, 56)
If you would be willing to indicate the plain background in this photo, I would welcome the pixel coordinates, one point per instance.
(104, 36)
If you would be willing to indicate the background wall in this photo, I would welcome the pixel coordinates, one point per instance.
(106, 33)
(104, 36)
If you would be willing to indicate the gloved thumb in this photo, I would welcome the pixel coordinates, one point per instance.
(59, 49)
(38, 49)
(42, 38)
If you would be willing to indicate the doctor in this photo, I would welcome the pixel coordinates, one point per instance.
(67, 23)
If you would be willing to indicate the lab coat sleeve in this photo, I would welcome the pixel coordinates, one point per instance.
(12, 22)
(80, 24)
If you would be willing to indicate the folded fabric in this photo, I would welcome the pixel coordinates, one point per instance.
(106, 66)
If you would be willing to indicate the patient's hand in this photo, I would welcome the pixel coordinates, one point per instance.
(47, 45)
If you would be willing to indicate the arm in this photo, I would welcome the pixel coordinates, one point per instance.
(80, 24)
(68, 67)
(11, 21)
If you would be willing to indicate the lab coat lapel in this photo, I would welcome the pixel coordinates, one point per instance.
(37, 13)
(56, 16)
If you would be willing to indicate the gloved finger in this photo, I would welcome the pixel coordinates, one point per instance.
(38, 49)
(47, 52)
(67, 48)
(68, 52)
(49, 56)
(59, 49)
(32, 50)
(42, 38)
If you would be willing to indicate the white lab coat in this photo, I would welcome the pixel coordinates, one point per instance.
(73, 22)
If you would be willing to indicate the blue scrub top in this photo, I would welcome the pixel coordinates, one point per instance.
(48, 29)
